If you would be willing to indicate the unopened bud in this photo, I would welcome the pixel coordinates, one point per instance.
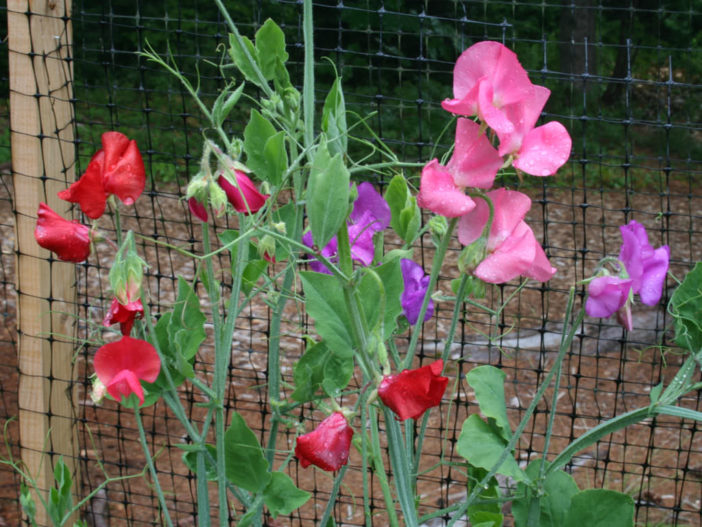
(280, 227)
(438, 226)
(98, 391)
(218, 199)
(266, 248)
(197, 188)
(471, 256)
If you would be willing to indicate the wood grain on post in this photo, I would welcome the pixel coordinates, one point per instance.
(43, 156)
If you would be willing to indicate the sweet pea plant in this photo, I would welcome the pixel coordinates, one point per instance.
(306, 232)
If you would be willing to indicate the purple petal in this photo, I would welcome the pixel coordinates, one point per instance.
(606, 295)
(653, 279)
(370, 201)
(416, 285)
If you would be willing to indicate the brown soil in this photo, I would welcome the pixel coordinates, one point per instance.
(659, 463)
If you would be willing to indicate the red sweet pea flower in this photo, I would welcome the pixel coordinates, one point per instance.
(124, 314)
(246, 199)
(327, 446)
(116, 169)
(121, 366)
(410, 393)
(68, 239)
(197, 209)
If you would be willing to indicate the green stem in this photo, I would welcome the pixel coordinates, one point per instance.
(152, 468)
(435, 268)
(400, 465)
(380, 470)
(203, 496)
(308, 85)
(380, 166)
(332, 496)
(565, 345)
(444, 356)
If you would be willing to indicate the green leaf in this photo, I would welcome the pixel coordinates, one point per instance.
(489, 385)
(327, 195)
(225, 104)
(245, 464)
(60, 499)
(324, 299)
(410, 220)
(27, 503)
(275, 159)
(281, 496)
(656, 393)
(190, 461)
(485, 513)
(238, 56)
(600, 508)
(320, 368)
(559, 488)
(186, 327)
(686, 307)
(679, 411)
(390, 275)
(334, 119)
(482, 446)
(252, 272)
(248, 518)
(270, 45)
(256, 135)
(486, 519)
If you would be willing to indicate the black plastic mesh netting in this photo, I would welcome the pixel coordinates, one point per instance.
(625, 80)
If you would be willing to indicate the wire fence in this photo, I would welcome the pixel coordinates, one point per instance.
(626, 80)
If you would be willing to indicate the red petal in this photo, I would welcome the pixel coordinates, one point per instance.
(88, 191)
(328, 445)
(68, 239)
(124, 384)
(245, 199)
(410, 393)
(124, 175)
(127, 353)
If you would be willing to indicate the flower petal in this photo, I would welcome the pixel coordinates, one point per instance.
(327, 446)
(410, 393)
(88, 191)
(523, 115)
(369, 201)
(438, 192)
(512, 258)
(654, 275)
(475, 161)
(70, 240)
(606, 295)
(124, 174)
(246, 198)
(544, 150)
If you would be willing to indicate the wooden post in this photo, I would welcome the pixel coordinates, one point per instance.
(43, 157)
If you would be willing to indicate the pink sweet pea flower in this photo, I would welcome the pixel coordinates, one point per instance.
(538, 151)
(486, 78)
(475, 161)
(412, 392)
(511, 245)
(121, 366)
(116, 169)
(607, 295)
(327, 446)
(70, 240)
(647, 267)
(125, 314)
(438, 192)
(246, 198)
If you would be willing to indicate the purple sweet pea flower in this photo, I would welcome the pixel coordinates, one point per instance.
(646, 266)
(607, 295)
(416, 284)
(370, 214)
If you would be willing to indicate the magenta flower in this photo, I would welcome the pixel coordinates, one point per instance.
(125, 314)
(647, 267)
(117, 168)
(487, 77)
(607, 295)
(327, 446)
(197, 209)
(370, 214)
(416, 285)
(412, 392)
(122, 365)
(475, 161)
(244, 196)
(70, 240)
(512, 248)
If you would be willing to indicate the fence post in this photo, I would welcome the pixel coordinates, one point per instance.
(43, 156)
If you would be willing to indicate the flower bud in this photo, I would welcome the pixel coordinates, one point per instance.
(127, 272)
(98, 391)
(438, 226)
(472, 255)
(266, 248)
(218, 199)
